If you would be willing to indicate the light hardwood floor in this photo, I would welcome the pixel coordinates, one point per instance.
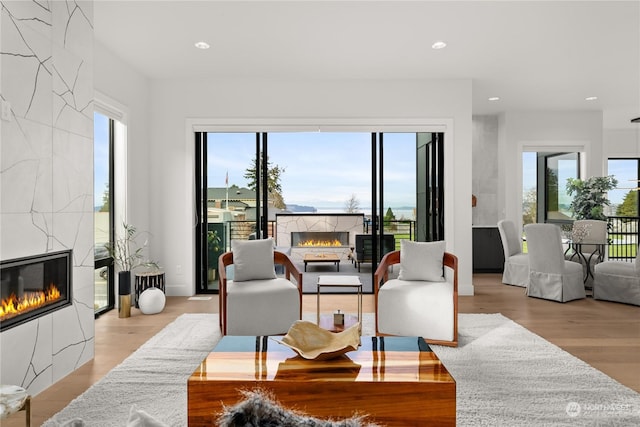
(605, 335)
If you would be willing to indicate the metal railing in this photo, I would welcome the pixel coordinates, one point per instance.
(622, 237)
(622, 233)
(243, 230)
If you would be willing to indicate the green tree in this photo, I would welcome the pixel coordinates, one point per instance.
(529, 206)
(389, 216)
(352, 205)
(105, 200)
(274, 188)
(629, 206)
(590, 196)
(553, 204)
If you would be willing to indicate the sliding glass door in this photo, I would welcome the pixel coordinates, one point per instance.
(228, 201)
(429, 187)
(244, 180)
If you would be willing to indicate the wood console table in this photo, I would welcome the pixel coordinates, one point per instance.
(396, 381)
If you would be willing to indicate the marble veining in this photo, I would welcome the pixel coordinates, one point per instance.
(46, 176)
(33, 372)
(286, 224)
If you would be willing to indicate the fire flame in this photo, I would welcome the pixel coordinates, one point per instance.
(313, 242)
(13, 306)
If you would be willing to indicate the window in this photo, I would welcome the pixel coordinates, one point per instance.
(624, 199)
(393, 179)
(558, 168)
(103, 140)
(529, 188)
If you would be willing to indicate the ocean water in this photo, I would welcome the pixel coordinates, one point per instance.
(400, 213)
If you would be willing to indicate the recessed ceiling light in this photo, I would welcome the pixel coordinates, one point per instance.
(494, 98)
(202, 45)
(439, 45)
(591, 98)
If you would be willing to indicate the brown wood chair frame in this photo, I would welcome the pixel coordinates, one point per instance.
(381, 275)
(278, 258)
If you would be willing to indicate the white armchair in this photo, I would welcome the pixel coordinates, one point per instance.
(418, 305)
(550, 275)
(618, 281)
(516, 263)
(256, 301)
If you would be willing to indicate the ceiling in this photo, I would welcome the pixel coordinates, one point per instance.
(534, 55)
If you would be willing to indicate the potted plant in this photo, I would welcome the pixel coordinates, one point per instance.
(590, 196)
(213, 248)
(127, 254)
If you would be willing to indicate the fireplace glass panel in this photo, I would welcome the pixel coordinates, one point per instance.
(33, 286)
(320, 238)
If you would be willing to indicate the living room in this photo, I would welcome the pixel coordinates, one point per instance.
(47, 140)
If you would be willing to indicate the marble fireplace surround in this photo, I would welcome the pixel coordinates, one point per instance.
(311, 222)
(46, 178)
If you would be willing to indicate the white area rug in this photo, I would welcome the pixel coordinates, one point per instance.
(506, 376)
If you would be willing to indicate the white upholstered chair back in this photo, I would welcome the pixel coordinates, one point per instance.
(516, 263)
(511, 242)
(550, 276)
(544, 244)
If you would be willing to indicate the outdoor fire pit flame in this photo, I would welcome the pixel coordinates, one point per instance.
(324, 243)
(13, 305)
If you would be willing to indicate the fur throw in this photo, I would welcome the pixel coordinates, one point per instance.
(259, 409)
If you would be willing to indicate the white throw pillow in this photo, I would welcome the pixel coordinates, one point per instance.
(421, 261)
(253, 260)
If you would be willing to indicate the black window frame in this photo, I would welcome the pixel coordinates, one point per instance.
(108, 262)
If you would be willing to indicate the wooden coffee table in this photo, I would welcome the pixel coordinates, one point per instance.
(309, 258)
(396, 381)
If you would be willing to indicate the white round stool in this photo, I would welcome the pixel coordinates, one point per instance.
(151, 301)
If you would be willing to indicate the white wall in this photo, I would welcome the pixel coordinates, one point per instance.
(622, 142)
(544, 131)
(177, 104)
(485, 170)
(124, 93)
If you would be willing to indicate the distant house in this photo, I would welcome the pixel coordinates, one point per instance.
(239, 198)
(241, 204)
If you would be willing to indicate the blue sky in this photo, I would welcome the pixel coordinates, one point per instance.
(100, 156)
(321, 169)
(626, 173)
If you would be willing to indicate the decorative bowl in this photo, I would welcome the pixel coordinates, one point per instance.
(315, 343)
